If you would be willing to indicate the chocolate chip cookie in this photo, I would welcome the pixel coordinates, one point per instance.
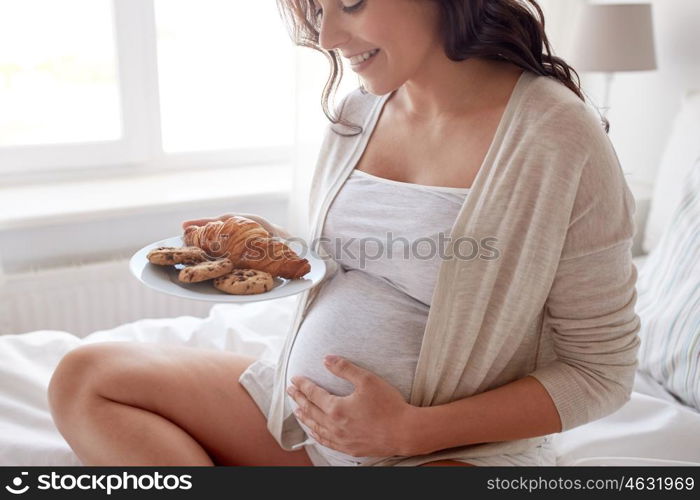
(169, 256)
(245, 282)
(205, 271)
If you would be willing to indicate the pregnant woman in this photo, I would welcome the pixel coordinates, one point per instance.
(480, 298)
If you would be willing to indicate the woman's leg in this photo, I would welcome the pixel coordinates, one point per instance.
(440, 463)
(133, 403)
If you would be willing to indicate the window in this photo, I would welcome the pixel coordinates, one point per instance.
(147, 83)
(221, 49)
(55, 87)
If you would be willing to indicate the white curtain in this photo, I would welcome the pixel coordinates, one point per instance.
(312, 72)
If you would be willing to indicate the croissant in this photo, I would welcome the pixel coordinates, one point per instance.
(249, 245)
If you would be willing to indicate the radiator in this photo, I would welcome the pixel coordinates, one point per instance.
(84, 298)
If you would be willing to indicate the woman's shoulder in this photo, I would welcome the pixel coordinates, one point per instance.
(560, 127)
(550, 107)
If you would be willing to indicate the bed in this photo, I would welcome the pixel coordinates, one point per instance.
(27, 361)
(655, 427)
(651, 429)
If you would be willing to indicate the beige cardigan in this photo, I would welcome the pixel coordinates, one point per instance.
(558, 302)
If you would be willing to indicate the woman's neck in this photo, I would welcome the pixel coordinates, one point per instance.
(455, 90)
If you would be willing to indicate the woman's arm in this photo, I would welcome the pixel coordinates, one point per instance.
(590, 316)
(518, 410)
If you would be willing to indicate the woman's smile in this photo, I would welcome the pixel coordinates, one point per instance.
(362, 62)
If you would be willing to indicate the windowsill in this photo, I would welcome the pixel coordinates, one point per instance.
(78, 201)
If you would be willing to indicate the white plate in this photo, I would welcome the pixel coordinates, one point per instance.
(164, 278)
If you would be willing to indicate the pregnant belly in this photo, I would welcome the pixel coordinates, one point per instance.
(365, 320)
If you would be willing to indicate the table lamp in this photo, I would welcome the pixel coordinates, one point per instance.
(614, 37)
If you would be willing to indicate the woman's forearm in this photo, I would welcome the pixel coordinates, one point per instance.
(518, 410)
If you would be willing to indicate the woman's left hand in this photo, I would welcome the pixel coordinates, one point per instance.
(371, 421)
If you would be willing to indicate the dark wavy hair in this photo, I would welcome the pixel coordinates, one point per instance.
(510, 30)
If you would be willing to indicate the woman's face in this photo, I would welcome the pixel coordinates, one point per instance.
(404, 31)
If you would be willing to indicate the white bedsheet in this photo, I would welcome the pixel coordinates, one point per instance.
(651, 429)
(27, 433)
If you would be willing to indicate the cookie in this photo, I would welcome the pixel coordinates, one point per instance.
(169, 256)
(205, 271)
(244, 282)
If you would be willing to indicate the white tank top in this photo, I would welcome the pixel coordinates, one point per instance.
(373, 311)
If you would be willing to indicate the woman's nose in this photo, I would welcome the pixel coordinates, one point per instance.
(331, 34)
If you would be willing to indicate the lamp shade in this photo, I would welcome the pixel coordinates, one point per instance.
(614, 37)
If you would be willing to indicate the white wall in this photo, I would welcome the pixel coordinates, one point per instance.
(644, 104)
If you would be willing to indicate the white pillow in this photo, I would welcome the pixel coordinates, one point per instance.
(668, 302)
(681, 152)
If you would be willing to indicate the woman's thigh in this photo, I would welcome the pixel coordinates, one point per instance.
(441, 463)
(197, 389)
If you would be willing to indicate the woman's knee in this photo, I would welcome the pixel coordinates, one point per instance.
(78, 375)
